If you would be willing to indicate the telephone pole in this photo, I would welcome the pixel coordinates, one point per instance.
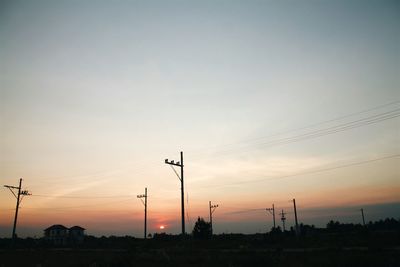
(172, 163)
(362, 214)
(145, 210)
(295, 216)
(212, 209)
(272, 211)
(283, 219)
(19, 199)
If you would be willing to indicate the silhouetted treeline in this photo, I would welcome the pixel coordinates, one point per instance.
(379, 234)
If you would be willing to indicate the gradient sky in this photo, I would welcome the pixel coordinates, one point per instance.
(96, 94)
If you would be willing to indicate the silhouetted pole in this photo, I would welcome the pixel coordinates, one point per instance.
(18, 197)
(145, 213)
(273, 213)
(212, 209)
(145, 210)
(295, 216)
(362, 214)
(283, 219)
(182, 188)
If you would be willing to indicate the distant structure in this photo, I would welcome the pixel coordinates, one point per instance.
(76, 234)
(59, 235)
(283, 219)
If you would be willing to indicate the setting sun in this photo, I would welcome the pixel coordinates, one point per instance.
(162, 227)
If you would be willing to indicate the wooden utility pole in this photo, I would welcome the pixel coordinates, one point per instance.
(19, 199)
(180, 164)
(295, 217)
(272, 211)
(145, 210)
(362, 214)
(212, 209)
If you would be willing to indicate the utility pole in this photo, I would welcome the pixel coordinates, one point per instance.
(212, 209)
(283, 219)
(295, 216)
(180, 164)
(362, 214)
(145, 210)
(19, 199)
(272, 211)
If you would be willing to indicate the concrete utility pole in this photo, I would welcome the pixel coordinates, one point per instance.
(180, 164)
(272, 211)
(145, 210)
(212, 209)
(19, 199)
(362, 214)
(283, 219)
(295, 217)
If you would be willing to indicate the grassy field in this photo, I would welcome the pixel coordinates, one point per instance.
(189, 256)
(353, 249)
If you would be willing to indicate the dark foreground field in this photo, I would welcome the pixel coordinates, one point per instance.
(366, 247)
(199, 257)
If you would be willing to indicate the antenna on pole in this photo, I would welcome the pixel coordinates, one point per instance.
(212, 209)
(145, 210)
(283, 219)
(19, 199)
(172, 163)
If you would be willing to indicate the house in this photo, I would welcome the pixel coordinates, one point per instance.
(76, 234)
(60, 235)
(56, 234)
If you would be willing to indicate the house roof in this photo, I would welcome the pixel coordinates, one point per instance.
(56, 227)
(76, 227)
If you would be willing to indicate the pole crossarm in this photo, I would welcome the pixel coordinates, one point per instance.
(172, 162)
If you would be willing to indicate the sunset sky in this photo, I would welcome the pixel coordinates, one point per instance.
(269, 100)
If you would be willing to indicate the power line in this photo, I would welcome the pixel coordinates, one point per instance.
(81, 206)
(317, 133)
(310, 172)
(311, 125)
(81, 197)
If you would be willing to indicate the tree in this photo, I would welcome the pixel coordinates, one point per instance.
(202, 229)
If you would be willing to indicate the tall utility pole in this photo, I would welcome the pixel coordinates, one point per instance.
(283, 219)
(145, 210)
(212, 209)
(19, 199)
(180, 164)
(295, 216)
(362, 214)
(272, 211)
